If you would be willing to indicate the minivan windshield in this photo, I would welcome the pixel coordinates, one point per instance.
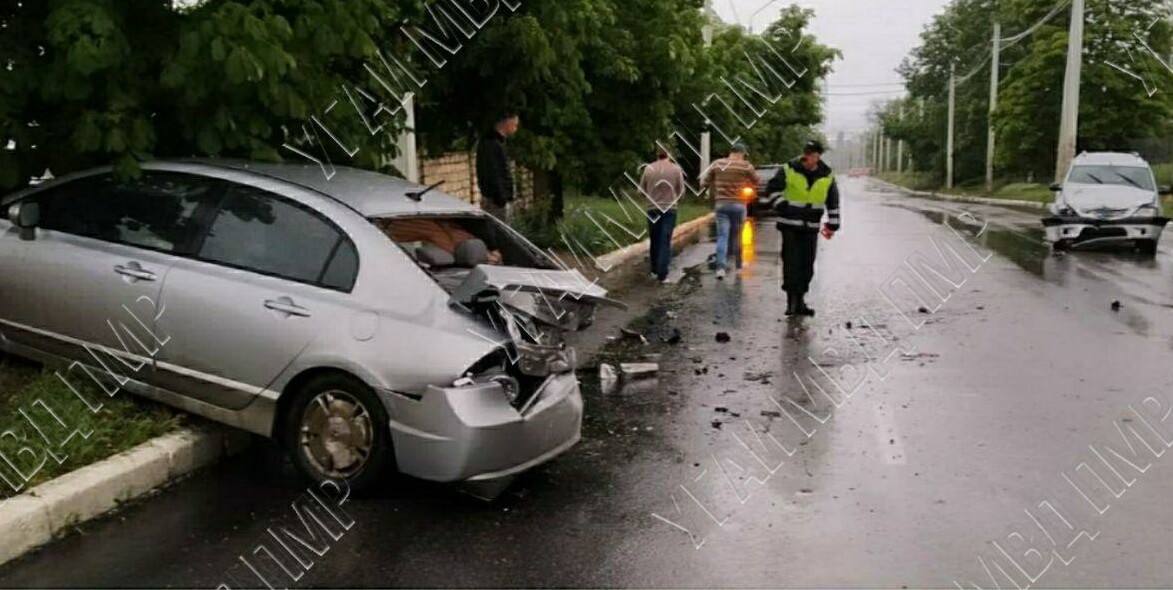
(1132, 176)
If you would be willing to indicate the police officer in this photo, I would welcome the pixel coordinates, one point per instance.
(800, 193)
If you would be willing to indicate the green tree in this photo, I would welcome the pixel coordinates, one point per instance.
(100, 81)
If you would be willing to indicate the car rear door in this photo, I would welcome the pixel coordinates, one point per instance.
(263, 283)
(88, 286)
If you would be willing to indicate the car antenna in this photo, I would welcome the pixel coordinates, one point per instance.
(418, 196)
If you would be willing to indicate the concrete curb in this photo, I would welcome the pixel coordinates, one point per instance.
(683, 233)
(961, 199)
(36, 516)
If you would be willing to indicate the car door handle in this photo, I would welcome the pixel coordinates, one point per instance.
(287, 306)
(134, 271)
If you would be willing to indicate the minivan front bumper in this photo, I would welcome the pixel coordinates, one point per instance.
(473, 433)
(1082, 230)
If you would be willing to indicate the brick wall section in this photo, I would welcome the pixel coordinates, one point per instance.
(458, 171)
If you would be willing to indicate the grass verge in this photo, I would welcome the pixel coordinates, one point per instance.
(599, 224)
(1013, 191)
(36, 405)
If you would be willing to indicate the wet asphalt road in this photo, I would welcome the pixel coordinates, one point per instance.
(734, 469)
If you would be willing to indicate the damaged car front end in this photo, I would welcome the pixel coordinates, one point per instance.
(1106, 198)
(1071, 227)
(516, 407)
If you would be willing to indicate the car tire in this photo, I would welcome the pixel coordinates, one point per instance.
(336, 428)
(1062, 245)
(1147, 248)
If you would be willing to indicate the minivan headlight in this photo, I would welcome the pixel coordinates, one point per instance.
(1147, 211)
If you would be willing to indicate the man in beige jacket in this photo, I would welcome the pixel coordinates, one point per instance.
(663, 184)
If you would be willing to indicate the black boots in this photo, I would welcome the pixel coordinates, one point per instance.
(796, 306)
(803, 310)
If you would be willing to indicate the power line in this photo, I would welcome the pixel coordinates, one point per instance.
(1010, 41)
(865, 85)
(873, 93)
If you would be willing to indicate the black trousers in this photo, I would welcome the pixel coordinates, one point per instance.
(799, 247)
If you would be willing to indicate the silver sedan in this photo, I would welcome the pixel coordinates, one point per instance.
(360, 320)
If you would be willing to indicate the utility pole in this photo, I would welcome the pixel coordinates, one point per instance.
(1069, 122)
(949, 135)
(706, 136)
(876, 152)
(995, 61)
(407, 160)
(900, 147)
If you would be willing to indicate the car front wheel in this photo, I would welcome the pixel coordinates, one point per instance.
(336, 428)
(1147, 247)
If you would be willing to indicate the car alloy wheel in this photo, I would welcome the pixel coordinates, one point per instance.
(336, 428)
(336, 434)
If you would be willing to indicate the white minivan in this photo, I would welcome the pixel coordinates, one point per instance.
(1106, 197)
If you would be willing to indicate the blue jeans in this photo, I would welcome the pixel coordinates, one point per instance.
(660, 228)
(730, 218)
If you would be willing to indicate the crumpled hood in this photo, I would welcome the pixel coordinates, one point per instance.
(1106, 201)
(561, 298)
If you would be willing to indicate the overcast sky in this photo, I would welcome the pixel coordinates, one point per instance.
(874, 36)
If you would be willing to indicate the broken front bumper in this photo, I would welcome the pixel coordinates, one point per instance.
(473, 433)
(1081, 230)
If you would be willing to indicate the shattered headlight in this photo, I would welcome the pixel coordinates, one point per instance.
(509, 385)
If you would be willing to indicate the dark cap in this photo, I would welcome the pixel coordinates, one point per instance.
(738, 147)
(813, 146)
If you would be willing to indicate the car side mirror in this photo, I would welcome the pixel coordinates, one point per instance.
(25, 215)
(1056, 187)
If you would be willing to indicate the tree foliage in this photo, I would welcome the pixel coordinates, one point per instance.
(597, 82)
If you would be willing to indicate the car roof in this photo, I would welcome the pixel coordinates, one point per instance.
(370, 193)
(1110, 159)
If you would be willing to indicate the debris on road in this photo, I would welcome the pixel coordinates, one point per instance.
(633, 335)
(1116, 305)
(717, 424)
(638, 370)
(763, 378)
(608, 379)
(721, 410)
(674, 337)
(923, 309)
(723, 337)
(771, 414)
(847, 325)
(919, 355)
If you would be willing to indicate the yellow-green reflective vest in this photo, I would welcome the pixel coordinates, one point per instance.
(797, 192)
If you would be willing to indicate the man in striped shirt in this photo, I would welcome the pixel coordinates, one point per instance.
(726, 179)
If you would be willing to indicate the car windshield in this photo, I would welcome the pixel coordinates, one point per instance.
(1133, 176)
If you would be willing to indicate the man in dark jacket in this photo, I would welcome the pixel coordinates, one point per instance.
(800, 193)
(494, 177)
